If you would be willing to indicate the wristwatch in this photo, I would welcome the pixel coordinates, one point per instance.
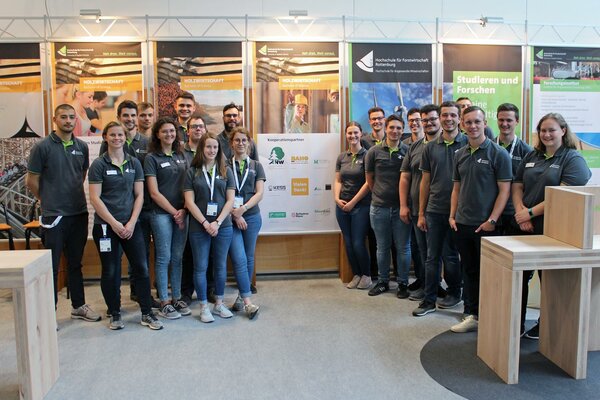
(219, 223)
(491, 221)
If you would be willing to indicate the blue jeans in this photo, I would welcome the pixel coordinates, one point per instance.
(250, 236)
(355, 227)
(389, 228)
(239, 263)
(201, 243)
(438, 236)
(169, 242)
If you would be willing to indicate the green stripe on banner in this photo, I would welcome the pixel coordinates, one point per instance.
(592, 157)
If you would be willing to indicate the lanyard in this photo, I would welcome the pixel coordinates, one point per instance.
(512, 145)
(237, 182)
(211, 183)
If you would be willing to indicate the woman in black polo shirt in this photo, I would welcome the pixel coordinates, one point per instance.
(554, 161)
(352, 197)
(165, 167)
(249, 178)
(209, 192)
(117, 194)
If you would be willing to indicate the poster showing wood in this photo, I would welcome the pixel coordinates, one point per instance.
(22, 116)
(297, 117)
(94, 78)
(489, 75)
(566, 80)
(211, 71)
(395, 77)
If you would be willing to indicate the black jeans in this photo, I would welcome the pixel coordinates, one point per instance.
(468, 243)
(110, 281)
(70, 236)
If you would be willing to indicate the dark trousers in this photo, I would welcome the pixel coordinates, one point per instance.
(144, 223)
(70, 236)
(468, 243)
(110, 281)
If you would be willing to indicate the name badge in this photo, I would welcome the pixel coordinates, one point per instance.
(165, 165)
(111, 172)
(105, 246)
(211, 209)
(529, 165)
(238, 201)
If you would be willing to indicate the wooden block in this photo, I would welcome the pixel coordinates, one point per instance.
(564, 319)
(568, 215)
(297, 253)
(594, 338)
(498, 341)
(595, 190)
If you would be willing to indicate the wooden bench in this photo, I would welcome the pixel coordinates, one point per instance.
(29, 275)
(569, 254)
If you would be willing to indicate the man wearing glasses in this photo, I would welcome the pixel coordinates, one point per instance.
(377, 135)
(231, 120)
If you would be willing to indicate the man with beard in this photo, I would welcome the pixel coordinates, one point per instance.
(376, 120)
(231, 120)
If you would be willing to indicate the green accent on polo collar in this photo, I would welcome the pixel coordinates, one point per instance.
(473, 150)
(448, 143)
(67, 144)
(120, 166)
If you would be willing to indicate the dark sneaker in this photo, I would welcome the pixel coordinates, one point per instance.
(151, 321)
(253, 289)
(441, 292)
(417, 295)
(182, 307)
(425, 307)
(533, 333)
(449, 302)
(402, 291)
(169, 312)
(115, 322)
(86, 313)
(379, 288)
(416, 285)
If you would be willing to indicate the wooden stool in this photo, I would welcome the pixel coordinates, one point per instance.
(7, 228)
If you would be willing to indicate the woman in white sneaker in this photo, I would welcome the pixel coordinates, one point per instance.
(352, 197)
(117, 194)
(165, 167)
(209, 192)
(249, 178)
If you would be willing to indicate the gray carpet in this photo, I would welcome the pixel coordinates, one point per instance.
(451, 359)
(313, 339)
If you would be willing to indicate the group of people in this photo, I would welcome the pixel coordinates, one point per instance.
(167, 179)
(432, 196)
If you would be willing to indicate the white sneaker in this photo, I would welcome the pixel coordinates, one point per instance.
(468, 324)
(222, 311)
(205, 315)
(354, 282)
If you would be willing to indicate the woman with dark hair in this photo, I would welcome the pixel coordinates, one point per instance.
(165, 167)
(554, 161)
(249, 177)
(352, 197)
(209, 191)
(117, 194)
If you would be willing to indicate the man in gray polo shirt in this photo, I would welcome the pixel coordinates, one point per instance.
(482, 176)
(56, 170)
(232, 119)
(434, 207)
(136, 144)
(376, 121)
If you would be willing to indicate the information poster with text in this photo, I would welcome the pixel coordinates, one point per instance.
(395, 77)
(489, 75)
(211, 71)
(297, 113)
(566, 80)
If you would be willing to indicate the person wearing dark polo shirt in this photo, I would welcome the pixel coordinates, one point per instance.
(434, 208)
(196, 128)
(185, 107)
(57, 168)
(209, 192)
(352, 197)
(482, 177)
(376, 121)
(463, 104)
(383, 163)
(117, 194)
(145, 118)
(554, 161)
(414, 124)
(232, 119)
(165, 168)
(508, 119)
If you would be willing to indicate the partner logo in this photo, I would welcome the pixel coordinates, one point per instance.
(299, 186)
(299, 160)
(277, 214)
(277, 188)
(276, 156)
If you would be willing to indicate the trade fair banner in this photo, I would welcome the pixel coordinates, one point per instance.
(94, 78)
(395, 77)
(22, 116)
(297, 113)
(489, 75)
(566, 80)
(211, 71)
